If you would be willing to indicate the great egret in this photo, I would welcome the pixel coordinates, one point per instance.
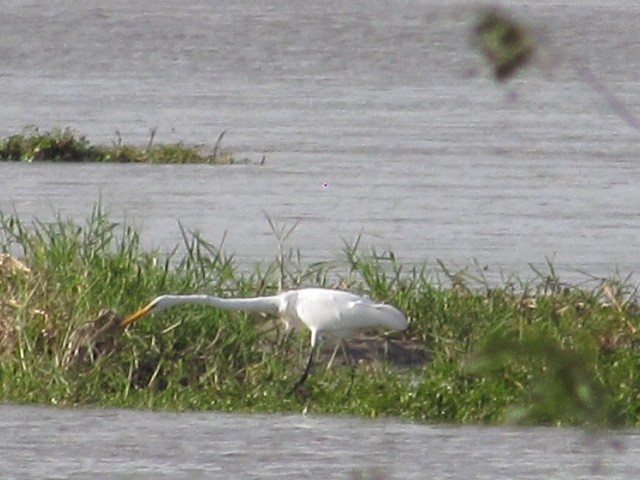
(325, 312)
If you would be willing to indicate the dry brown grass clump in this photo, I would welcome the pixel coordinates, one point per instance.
(93, 339)
(84, 345)
(10, 269)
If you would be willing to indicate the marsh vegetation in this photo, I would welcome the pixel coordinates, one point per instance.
(67, 145)
(536, 352)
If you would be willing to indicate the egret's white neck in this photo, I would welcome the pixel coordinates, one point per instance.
(271, 304)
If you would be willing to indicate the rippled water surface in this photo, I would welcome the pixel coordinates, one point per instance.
(38, 442)
(375, 118)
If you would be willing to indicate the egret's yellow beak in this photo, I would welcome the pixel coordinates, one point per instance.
(135, 316)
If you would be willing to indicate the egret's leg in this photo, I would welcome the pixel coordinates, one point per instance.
(352, 364)
(345, 351)
(307, 369)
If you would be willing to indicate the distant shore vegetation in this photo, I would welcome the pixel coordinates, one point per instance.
(540, 353)
(67, 145)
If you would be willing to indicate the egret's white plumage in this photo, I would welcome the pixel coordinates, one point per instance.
(324, 312)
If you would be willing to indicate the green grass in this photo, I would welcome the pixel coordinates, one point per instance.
(66, 145)
(537, 352)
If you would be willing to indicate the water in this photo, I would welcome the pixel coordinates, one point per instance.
(50, 443)
(376, 119)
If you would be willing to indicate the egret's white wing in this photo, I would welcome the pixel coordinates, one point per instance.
(343, 312)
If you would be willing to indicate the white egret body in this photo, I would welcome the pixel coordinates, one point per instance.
(325, 312)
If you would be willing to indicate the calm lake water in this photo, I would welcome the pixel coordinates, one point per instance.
(49, 443)
(376, 118)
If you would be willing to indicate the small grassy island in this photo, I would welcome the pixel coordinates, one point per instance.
(66, 145)
(539, 352)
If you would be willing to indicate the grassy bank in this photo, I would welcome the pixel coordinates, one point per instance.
(537, 353)
(66, 145)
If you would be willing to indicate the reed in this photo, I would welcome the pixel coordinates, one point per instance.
(66, 145)
(535, 352)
